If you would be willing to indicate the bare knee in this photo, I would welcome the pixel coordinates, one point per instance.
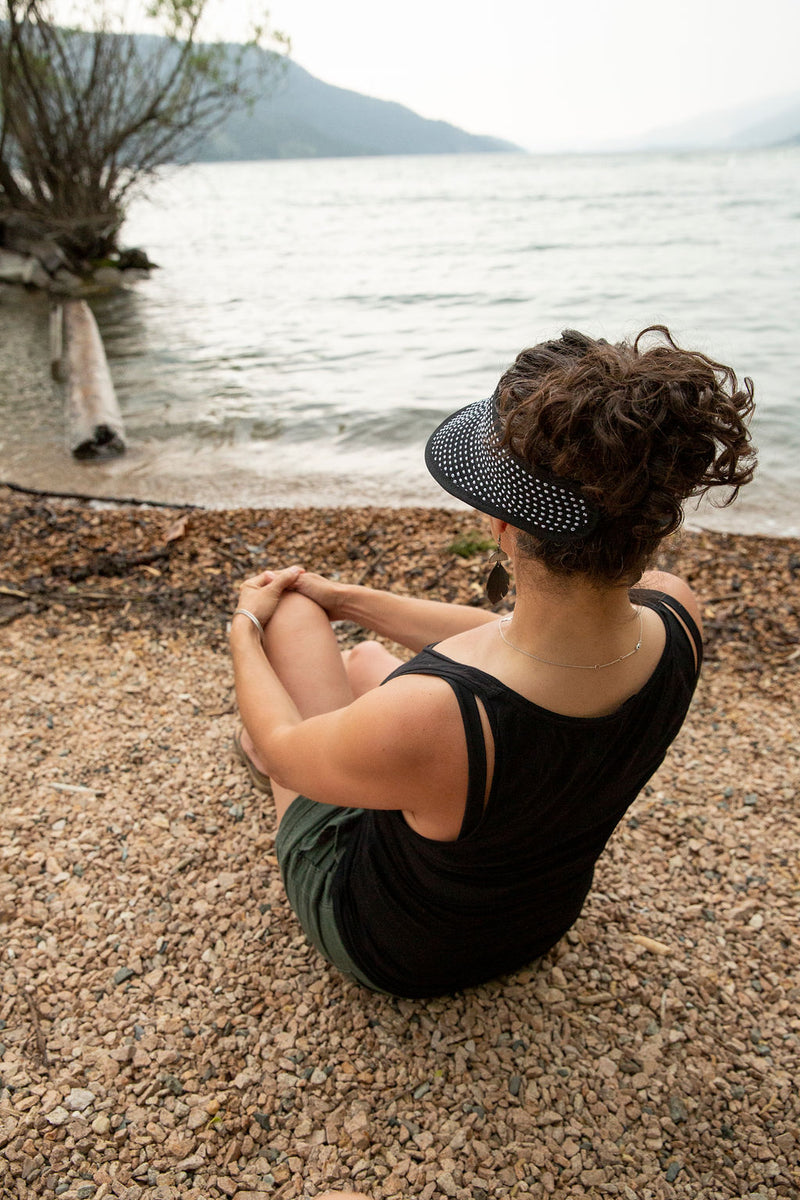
(297, 604)
(302, 650)
(364, 655)
(367, 665)
(296, 612)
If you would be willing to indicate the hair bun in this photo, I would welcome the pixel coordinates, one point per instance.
(641, 427)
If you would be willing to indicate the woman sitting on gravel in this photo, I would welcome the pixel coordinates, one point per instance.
(439, 819)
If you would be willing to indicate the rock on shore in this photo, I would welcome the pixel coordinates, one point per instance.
(31, 255)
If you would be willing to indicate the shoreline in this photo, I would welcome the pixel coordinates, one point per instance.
(724, 521)
(746, 581)
(165, 473)
(166, 1030)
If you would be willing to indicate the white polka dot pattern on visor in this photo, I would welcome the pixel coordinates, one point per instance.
(465, 457)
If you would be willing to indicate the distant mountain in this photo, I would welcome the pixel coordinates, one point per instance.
(302, 117)
(780, 130)
(773, 122)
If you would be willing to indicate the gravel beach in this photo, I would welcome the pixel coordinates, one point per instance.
(166, 1032)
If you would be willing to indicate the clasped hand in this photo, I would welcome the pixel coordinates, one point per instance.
(260, 594)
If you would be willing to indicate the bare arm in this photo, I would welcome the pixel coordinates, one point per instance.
(407, 621)
(397, 747)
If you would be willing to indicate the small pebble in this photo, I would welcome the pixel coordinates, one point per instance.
(196, 1118)
(79, 1099)
(307, 1080)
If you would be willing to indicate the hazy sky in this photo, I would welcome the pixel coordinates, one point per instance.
(547, 73)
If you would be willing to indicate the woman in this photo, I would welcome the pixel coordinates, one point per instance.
(443, 828)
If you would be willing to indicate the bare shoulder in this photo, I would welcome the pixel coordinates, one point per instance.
(410, 709)
(398, 722)
(396, 747)
(673, 585)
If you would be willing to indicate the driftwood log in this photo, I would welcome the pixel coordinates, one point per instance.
(94, 421)
(57, 342)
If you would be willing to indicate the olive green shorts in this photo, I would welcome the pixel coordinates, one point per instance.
(311, 841)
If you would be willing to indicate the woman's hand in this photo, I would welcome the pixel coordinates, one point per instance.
(260, 594)
(324, 592)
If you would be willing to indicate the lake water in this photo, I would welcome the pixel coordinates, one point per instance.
(314, 320)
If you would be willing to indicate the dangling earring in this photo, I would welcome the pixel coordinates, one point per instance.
(497, 584)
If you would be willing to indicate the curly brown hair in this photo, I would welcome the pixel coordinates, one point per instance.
(640, 429)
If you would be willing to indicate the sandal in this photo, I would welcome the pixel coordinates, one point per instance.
(259, 780)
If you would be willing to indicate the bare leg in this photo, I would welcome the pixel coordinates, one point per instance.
(367, 665)
(302, 648)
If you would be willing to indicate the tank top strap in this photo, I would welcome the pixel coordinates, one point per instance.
(669, 606)
(679, 611)
(476, 752)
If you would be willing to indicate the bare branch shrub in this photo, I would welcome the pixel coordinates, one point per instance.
(89, 111)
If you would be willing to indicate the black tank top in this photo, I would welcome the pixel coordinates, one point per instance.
(421, 917)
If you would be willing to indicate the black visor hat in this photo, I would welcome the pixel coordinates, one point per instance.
(465, 456)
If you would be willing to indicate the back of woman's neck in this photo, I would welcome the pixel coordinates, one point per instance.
(570, 606)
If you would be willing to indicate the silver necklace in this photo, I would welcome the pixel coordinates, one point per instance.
(571, 666)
